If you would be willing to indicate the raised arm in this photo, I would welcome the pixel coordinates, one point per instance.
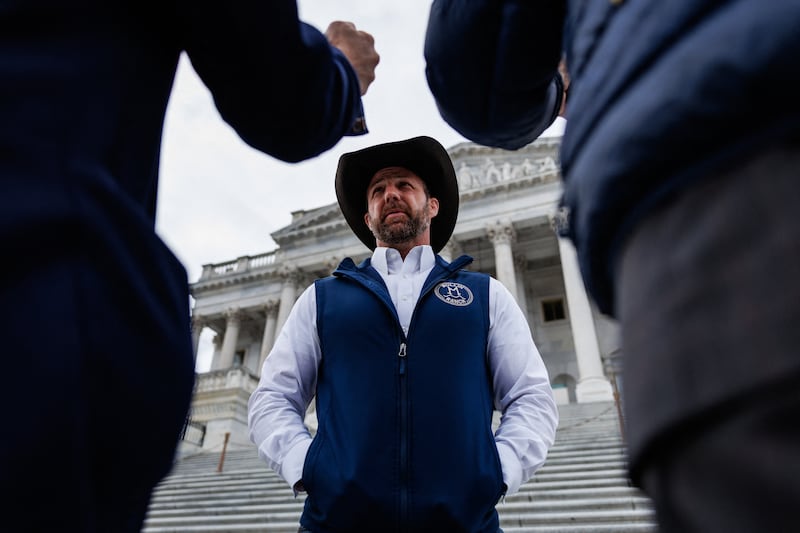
(278, 81)
(493, 67)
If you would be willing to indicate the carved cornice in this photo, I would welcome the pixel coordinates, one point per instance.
(313, 217)
(328, 228)
(321, 221)
(540, 145)
(233, 279)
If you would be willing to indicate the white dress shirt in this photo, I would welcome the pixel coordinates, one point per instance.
(522, 391)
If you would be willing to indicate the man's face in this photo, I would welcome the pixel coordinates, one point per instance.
(399, 209)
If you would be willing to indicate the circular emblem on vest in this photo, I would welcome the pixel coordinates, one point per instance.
(453, 293)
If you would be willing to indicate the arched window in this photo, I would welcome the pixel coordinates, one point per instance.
(564, 388)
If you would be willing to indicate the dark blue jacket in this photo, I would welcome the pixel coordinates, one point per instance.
(662, 94)
(96, 308)
(405, 440)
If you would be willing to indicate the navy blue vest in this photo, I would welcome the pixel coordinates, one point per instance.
(404, 440)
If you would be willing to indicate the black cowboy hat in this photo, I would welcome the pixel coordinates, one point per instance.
(425, 157)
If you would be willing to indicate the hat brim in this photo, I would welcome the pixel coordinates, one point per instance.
(425, 157)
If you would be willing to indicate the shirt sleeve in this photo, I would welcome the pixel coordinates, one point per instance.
(276, 80)
(492, 67)
(278, 406)
(522, 391)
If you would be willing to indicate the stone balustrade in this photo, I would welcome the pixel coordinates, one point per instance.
(194, 433)
(231, 378)
(238, 266)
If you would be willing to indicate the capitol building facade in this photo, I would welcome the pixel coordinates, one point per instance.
(508, 204)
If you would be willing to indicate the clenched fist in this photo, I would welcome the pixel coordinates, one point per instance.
(359, 48)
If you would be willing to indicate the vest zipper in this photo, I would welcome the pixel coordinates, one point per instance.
(402, 355)
(404, 467)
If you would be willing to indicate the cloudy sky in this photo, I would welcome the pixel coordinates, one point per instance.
(220, 199)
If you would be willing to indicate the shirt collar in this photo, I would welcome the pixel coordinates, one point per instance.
(388, 261)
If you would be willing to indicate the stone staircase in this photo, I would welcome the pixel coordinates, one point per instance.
(582, 488)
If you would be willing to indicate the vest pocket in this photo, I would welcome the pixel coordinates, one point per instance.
(310, 461)
(335, 500)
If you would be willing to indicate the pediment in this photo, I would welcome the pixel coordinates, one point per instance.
(315, 221)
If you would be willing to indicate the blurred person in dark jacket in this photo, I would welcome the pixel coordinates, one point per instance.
(680, 161)
(98, 358)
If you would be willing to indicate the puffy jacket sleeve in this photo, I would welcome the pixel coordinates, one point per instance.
(492, 67)
(274, 79)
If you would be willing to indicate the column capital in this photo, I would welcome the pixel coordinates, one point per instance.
(502, 235)
(501, 232)
(234, 315)
(332, 263)
(199, 321)
(289, 273)
(270, 307)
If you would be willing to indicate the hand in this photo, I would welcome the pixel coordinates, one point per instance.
(359, 48)
(562, 69)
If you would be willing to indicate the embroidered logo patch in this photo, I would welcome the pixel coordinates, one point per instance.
(453, 293)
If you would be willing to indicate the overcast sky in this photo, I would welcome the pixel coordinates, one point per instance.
(220, 199)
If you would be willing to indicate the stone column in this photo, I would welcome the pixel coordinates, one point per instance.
(520, 266)
(268, 339)
(502, 235)
(215, 357)
(291, 277)
(592, 386)
(234, 323)
(198, 323)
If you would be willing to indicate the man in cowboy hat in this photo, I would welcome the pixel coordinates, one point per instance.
(408, 356)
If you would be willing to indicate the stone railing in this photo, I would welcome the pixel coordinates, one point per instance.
(238, 266)
(193, 433)
(232, 378)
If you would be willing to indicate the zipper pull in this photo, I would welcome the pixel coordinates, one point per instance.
(402, 355)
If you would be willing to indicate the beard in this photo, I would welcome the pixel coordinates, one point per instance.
(399, 233)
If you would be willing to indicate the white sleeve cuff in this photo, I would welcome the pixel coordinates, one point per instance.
(512, 468)
(292, 465)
